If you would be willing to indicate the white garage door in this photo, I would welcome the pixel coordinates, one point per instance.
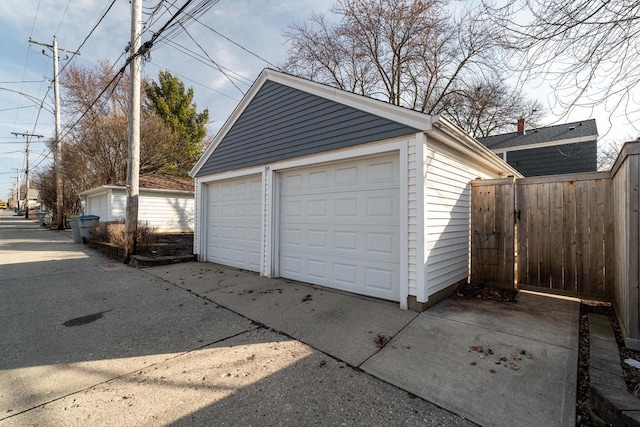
(340, 226)
(233, 222)
(98, 206)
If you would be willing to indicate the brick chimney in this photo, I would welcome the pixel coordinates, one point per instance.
(521, 123)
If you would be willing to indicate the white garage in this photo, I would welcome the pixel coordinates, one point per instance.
(340, 226)
(311, 183)
(233, 222)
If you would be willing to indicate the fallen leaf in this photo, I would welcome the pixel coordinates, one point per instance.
(515, 367)
(529, 356)
(489, 351)
(493, 371)
(479, 349)
(503, 358)
(473, 363)
(482, 356)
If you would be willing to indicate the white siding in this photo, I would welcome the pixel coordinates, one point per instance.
(197, 205)
(412, 214)
(167, 213)
(447, 214)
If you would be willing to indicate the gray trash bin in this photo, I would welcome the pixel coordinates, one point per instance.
(75, 228)
(41, 216)
(85, 224)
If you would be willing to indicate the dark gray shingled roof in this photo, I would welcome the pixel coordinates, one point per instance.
(584, 129)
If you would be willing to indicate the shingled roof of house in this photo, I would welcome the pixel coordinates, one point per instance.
(586, 130)
(163, 182)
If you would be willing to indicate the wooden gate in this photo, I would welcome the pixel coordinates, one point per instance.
(552, 234)
(492, 232)
(565, 234)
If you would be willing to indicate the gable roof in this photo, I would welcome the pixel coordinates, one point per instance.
(567, 133)
(283, 116)
(153, 183)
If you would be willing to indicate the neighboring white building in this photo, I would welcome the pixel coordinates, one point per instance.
(165, 203)
(311, 183)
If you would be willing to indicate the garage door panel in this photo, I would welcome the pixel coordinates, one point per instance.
(382, 172)
(379, 206)
(234, 216)
(339, 226)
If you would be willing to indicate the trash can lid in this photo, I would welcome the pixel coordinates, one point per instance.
(88, 217)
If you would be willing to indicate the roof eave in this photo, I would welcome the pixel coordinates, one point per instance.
(450, 134)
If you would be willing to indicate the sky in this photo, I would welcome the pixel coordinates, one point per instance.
(250, 38)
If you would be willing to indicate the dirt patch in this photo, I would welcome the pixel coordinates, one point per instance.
(631, 374)
(168, 245)
(474, 290)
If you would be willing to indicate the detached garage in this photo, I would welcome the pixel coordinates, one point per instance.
(315, 184)
(165, 203)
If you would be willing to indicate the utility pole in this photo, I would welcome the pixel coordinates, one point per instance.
(133, 158)
(26, 171)
(58, 155)
(17, 188)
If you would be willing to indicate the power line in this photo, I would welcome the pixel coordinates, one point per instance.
(194, 82)
(188, 52)
(214, 62)
(24, 81)
(233, 42)
(77, 51)
(62, 19)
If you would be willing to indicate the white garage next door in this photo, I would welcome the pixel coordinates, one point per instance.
(340, 226)
(233, 222)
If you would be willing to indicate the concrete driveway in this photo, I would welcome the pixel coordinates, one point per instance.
(199, 343)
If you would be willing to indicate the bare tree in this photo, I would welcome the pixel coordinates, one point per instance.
(484, 108)
(588, 50)
(411, 53)
(95, 141)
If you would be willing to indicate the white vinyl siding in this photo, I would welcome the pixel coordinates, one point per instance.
(165, 212)
(197, 211)
(412, 216)
(340, 225)
(447, 212)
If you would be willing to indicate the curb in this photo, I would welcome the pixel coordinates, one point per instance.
(143, 261)
(117, 252)
(610, 402)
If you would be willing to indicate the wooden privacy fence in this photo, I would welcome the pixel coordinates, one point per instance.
(548, 233)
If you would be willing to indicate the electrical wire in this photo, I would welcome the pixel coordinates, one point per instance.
(234, 42)
(63, 15)
(213, 62)
(194, 82)
(186, 51)
(88, 35)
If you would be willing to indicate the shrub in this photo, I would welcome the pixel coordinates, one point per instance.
(114, 232)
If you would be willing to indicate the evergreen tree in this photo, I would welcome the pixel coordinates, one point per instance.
(173, 103)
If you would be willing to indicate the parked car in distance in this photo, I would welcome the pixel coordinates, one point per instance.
(3, 205)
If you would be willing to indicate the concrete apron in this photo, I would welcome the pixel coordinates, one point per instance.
(526, 373)
(157, 355)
